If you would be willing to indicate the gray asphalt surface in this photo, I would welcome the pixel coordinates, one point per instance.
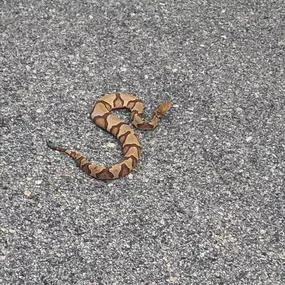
(206, 204)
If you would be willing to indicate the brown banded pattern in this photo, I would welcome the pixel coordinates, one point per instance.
(102, 116)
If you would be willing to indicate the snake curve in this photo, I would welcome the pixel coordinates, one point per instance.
(102, 116)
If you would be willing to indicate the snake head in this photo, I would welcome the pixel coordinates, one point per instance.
(163, 108)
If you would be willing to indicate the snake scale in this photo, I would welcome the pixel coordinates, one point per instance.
(102, 116)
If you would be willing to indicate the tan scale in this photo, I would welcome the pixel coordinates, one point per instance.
(101, 115)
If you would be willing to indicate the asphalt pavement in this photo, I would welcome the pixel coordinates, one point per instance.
(206, 202)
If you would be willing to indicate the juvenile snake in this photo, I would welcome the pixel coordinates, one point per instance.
(102, 116)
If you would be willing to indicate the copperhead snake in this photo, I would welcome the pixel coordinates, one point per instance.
(102, 116)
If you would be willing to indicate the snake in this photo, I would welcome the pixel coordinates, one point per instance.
(101, 114)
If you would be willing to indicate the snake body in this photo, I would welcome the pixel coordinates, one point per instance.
(102, 116)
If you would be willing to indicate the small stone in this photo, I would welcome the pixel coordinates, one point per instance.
(111, 145)
(27, 193)
(38, 182)
(7, 230)
(86, 68)
(172, 279)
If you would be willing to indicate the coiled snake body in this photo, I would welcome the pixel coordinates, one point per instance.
(102, 116)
